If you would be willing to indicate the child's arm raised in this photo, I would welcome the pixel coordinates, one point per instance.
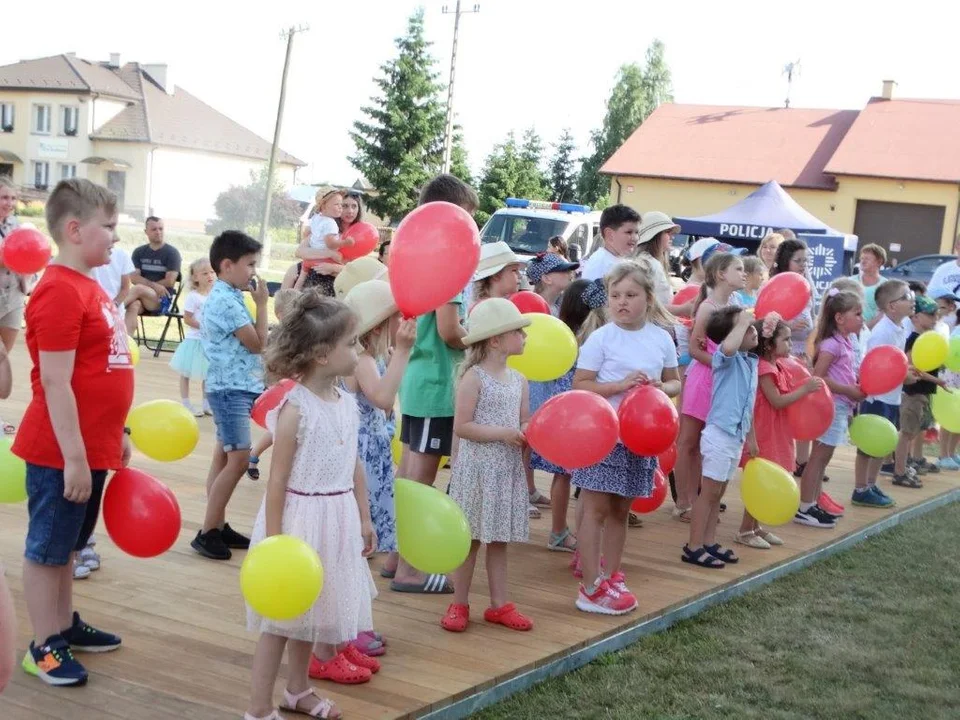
(56, 373)
(734, 339)
(449, 328)
(382, 391)
(281, 462)
(363, 502)
(820, 368)
(468, 393)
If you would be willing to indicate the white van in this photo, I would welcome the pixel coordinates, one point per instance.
(527, 225)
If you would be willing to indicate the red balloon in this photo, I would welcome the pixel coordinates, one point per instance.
(268, 400)
(667, 460)
(530, 302)
(649, 423)
(141, 514)
(810, 416)
(645, 505)
(574, 429)
(797, 372)
(685, 294)
(883, 369)
(786, 294)
(365, 240)
(26, 251)
(433, 255)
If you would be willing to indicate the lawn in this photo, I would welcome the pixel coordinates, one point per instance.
(869, 633)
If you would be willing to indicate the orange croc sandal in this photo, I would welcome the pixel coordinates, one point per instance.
(508, 616)
(339, 670)
(456, 619)
(353, 654)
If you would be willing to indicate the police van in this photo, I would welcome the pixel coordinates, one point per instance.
(526, 226)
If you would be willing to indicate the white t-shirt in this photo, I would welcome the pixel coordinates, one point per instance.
(320, 227)
(110, 276)
(599, 264)
(661, 283)
(945, 277)
(193, 305)
(887, 332)
(613, 353)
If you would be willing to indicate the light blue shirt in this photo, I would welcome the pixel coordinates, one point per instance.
(734, 392)
(232, 366)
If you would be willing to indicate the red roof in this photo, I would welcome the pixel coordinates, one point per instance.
(907, 139)
(734, 144)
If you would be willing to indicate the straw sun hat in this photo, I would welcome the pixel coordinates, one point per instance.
(494, 257)
(493, 317)
(358, 271)
(653, 223)
(373, 303)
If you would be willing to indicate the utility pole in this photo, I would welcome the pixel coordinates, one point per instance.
(791, 70)
(448, 132)
(272, 164)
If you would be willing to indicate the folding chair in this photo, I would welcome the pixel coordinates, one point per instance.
(172, 314)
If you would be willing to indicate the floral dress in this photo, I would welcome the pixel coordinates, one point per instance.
(540, 392)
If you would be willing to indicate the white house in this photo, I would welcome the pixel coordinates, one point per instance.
(162, 150)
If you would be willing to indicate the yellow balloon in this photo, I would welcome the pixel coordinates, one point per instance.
(134, 351)
(13, 475)
(433, 534)
(551, 349)
(945, 406)
(163, 430)
(281, 577)
(769, 492)
(930, 351)
(396, 449)
(250, 305)
(953, 356)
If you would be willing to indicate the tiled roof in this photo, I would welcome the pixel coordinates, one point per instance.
(64, 72)
(734, 144)
(907, 139)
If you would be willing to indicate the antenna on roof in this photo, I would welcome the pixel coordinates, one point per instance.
(791, 70)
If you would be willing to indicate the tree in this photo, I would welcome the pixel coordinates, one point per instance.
(400, 145)
(563, 169)
(531, 181)
(241, 206)
(498, 179)
(459, 165)
(637, 92)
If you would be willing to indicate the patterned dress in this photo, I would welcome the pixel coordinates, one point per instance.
(540, 392)
(488, 480)
(376, 432)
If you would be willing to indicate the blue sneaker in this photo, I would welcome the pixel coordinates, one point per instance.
(867, 498)
(53, 662)
(85, 638)
(877, 491)
(948, 463)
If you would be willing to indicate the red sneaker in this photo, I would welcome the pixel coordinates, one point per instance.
(619, 583)
(830, 505)
(456, 619)
(339, 670)
(353, 654)
(605, 601)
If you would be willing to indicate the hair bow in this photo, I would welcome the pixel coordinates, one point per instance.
(594, 295)
(833, 292)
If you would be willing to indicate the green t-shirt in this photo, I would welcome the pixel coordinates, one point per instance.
(427, 389)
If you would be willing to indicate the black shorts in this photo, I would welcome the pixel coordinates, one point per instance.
(428, 436)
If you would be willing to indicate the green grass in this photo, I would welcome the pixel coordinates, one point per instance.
(870, 633)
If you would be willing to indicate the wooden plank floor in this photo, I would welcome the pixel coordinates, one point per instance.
(187, 653)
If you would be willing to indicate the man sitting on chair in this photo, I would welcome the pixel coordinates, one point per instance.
(156, 267)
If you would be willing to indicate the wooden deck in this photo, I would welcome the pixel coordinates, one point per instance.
(187, 653)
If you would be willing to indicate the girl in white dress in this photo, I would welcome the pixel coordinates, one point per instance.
(316, 492)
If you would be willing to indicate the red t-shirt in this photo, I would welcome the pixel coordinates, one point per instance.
(69, 311)
(774, 437)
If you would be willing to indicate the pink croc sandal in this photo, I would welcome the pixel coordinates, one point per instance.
(367, 645)
(325, 708)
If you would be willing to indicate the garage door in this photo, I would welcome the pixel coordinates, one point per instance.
(905, 230)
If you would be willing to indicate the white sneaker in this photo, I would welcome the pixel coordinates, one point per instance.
(207, 410)
(80, 571)
(89, 558)
(189, 406)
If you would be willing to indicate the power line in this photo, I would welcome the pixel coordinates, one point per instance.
(448, 131)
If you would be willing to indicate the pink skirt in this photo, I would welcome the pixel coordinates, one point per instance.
(697, 391)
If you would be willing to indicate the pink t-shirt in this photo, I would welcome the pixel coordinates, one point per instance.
(841, 370)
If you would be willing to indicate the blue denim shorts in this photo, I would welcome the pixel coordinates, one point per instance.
(58, 527)
(231, 413)
(885, 410)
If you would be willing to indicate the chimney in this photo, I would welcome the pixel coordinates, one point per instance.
(161, 75)
(115, 60)
(888, 86)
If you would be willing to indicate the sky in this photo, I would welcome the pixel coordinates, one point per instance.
(520, 63)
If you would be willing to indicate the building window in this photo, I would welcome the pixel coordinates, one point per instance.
(6, 117)
(69, 120)
(41, 174)
(41, 119)
(67, 171)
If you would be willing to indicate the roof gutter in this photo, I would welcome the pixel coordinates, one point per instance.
(956, 222)
(619, 188)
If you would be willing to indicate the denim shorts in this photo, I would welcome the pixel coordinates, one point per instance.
(836, 434)
(58, 527)
(877, 407)
(231, 413)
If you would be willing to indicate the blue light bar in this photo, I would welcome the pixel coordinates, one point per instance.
(545, 205)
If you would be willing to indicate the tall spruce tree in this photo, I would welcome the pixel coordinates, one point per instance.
(563, 169)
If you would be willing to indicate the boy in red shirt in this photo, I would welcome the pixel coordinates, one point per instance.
(72, 432)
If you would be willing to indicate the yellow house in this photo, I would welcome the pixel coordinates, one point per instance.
(127, 126)
(889, 173)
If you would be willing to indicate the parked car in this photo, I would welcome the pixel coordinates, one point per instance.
(919, 268)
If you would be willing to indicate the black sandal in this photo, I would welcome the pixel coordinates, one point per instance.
(701, 558)
(907, 481)
(253, 472)
(727, 556)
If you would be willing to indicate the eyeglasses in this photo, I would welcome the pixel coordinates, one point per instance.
(908, 296)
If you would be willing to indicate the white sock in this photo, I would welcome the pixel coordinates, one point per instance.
(806, 506)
